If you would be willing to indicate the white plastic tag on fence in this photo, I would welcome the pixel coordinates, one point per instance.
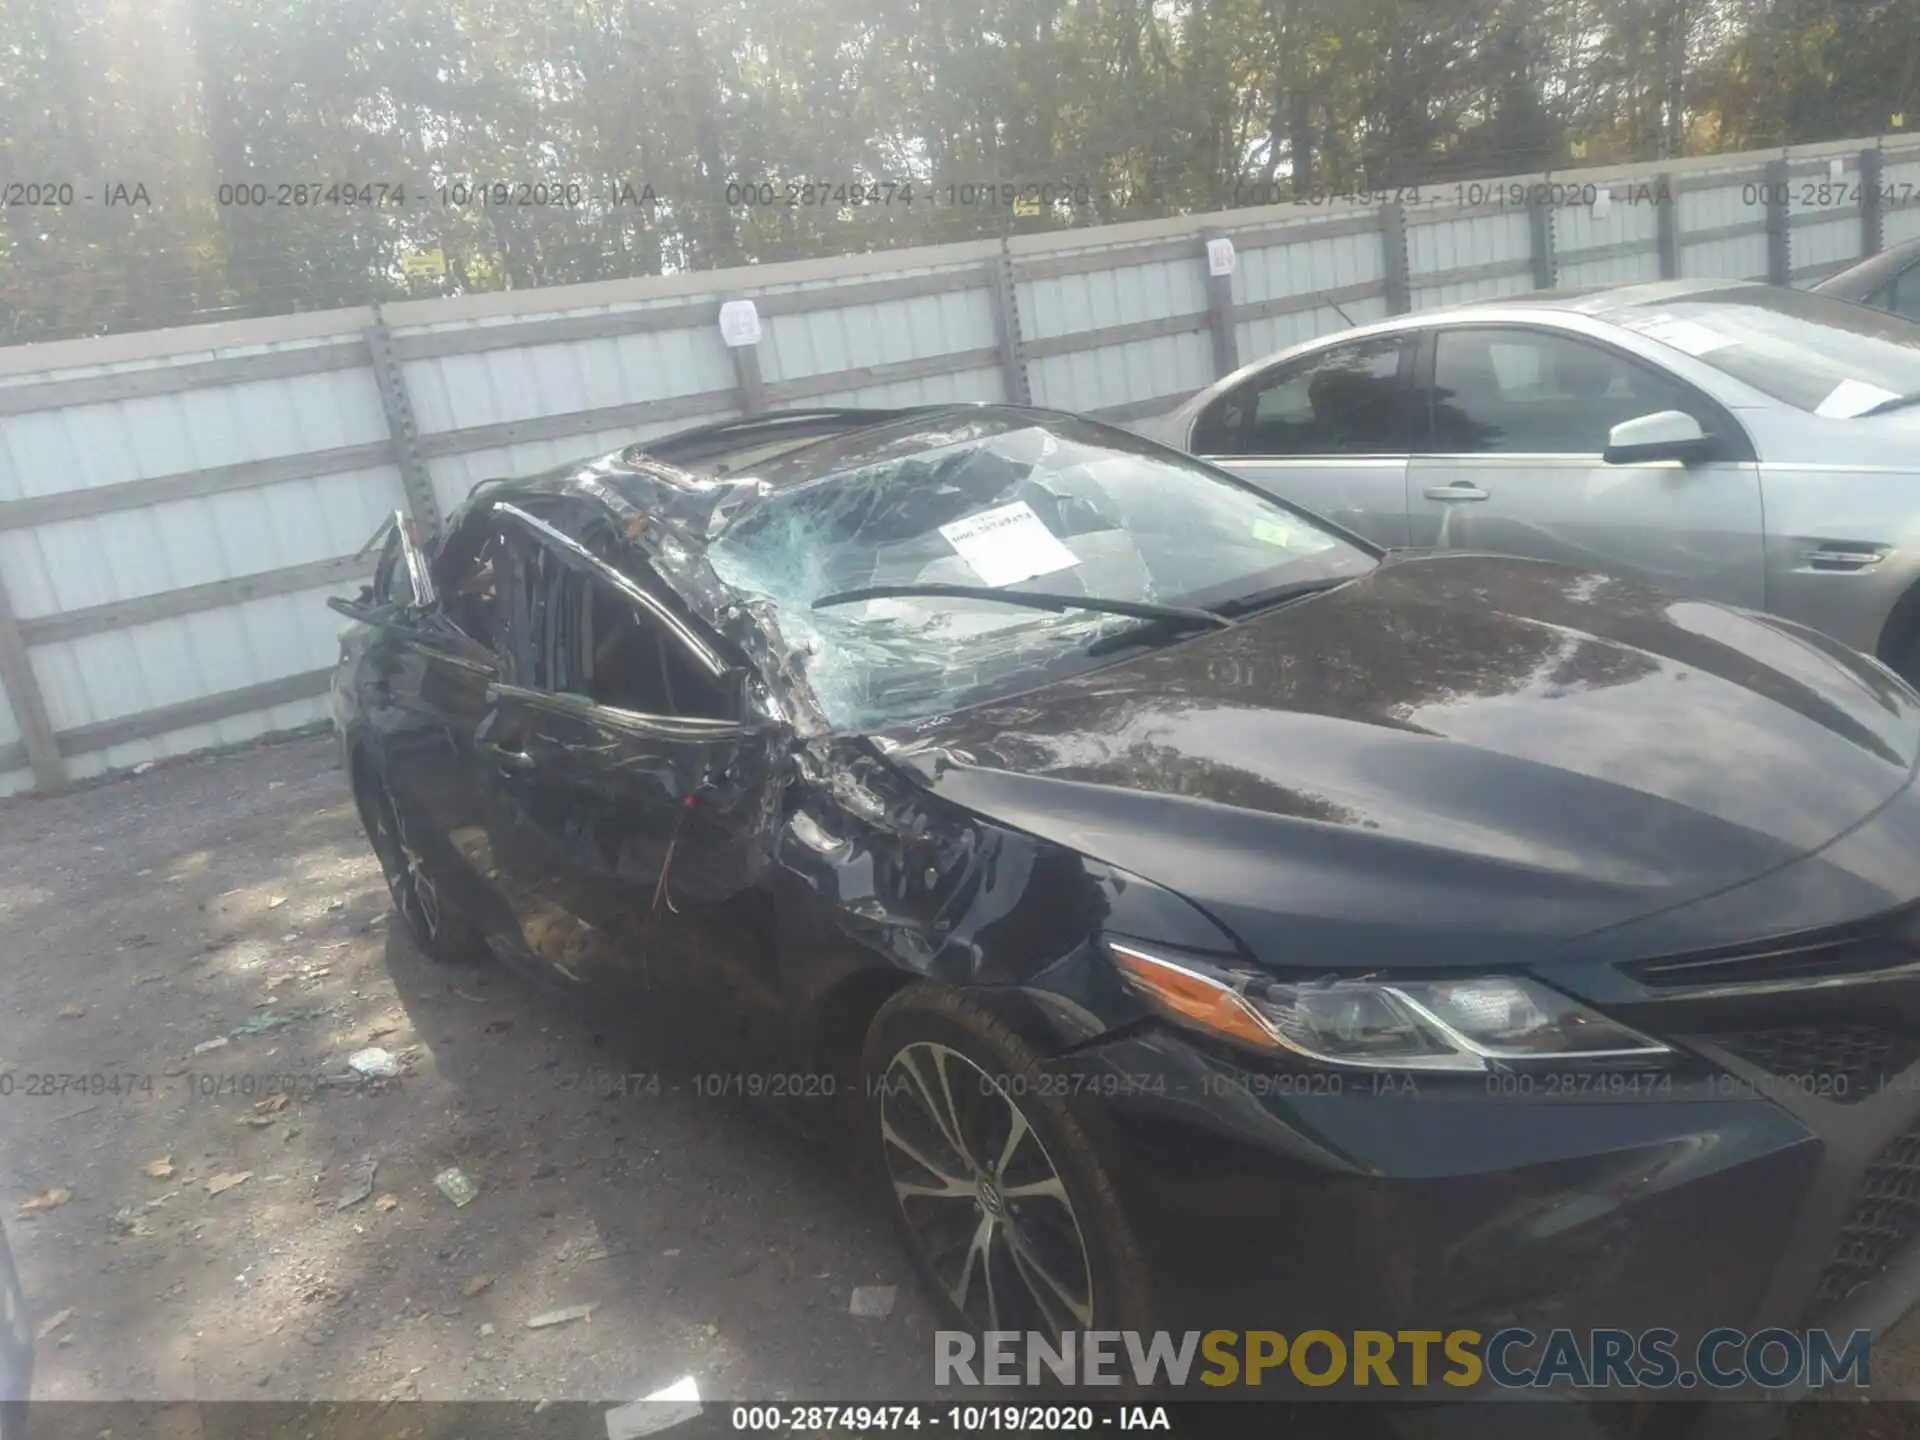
(1220, 256)
(739, 323)
(1837, 168)
(1602, 202)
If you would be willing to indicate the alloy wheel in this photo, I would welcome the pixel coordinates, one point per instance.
(406, 868)
(981, 1196)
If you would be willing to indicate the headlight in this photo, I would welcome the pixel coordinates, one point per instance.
(1463, 1025)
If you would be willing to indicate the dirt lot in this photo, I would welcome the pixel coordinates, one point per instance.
(148, 919)
(220, 1208)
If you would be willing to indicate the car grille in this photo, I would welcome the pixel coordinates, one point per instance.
(1841, 1063)
(1882, 1222)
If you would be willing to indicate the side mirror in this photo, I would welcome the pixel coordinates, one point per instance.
(1663, 435)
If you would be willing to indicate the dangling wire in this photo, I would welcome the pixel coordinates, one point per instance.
(661, 895)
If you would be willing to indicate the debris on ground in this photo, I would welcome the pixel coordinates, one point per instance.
(126, 1222)
(374, 1063)
(48, 1200)
(220, 1184)
(268, 1021)
(385, 1203)
(72, 1010)
(474, 1286)
(205, 1045)
(872, 1302)
(361, 1187)
(161, 1169)
(276, 902)
(562, 1317)
(454, 1184)
(53, 1323)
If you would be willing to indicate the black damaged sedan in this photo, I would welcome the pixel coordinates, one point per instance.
(1209, 921)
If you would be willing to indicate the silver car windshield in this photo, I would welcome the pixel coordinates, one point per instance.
(1813, 352)
(1013, 505)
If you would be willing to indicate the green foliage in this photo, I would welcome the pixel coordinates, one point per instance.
(637, 116)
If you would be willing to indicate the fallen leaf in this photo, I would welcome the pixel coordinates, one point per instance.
(273, 1104)
(224, 1182)
(52, 1200)
(474, 1286)
(53, 1323)
(160, 1169)
(276, 902)
(386, 1202)
(72, 1010)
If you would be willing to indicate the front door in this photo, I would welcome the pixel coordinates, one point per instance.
(1510, 427)
(631, 800)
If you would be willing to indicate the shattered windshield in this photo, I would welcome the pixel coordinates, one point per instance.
(1004, 502)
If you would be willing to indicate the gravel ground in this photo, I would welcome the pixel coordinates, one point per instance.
(192, 955)
(147, 919)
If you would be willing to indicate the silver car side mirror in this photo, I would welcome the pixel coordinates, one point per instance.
(1663, 435)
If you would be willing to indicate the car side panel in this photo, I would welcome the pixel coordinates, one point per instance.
(1843, 545)
(1692, 530)
(1364, 494)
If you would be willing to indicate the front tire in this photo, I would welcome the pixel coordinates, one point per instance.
(998, 1194)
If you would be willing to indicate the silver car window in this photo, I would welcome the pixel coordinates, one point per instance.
(1518, 391)
(1341, 401)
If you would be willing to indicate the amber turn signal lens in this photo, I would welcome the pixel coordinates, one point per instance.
(1193, 997)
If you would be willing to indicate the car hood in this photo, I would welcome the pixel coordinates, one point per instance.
(1456, 759)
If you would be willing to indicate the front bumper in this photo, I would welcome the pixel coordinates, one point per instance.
(1452, 1206)
(1771, 1178)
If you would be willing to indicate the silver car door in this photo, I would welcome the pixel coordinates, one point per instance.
(1508, 456)
(1324, 431)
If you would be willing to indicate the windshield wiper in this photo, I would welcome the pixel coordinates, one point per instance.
(1229, 610)
(1139, 609)
(1280, 594)
(1893, 402)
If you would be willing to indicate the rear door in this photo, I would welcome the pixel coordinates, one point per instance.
(1325, 431)
(631, 799)
(1510, 423)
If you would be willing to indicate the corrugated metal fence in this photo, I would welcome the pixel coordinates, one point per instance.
(174, 506)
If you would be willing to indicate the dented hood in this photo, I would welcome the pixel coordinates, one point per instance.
(1455, 760)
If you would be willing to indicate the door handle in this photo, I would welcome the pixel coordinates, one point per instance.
(1459, 490)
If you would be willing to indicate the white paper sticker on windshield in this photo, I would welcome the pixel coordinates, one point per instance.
(1008, 544)
(1687, 336)
(1852, 397)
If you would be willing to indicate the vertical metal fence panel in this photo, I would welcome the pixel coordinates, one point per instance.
(1056, 306)
(1823, 218)
(1722, 224)
(1617, 247)
(1495, 247)
(1347, 274)
(1900, 197)
(174, 507)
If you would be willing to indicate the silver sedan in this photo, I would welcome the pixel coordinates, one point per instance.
(1724, 440)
